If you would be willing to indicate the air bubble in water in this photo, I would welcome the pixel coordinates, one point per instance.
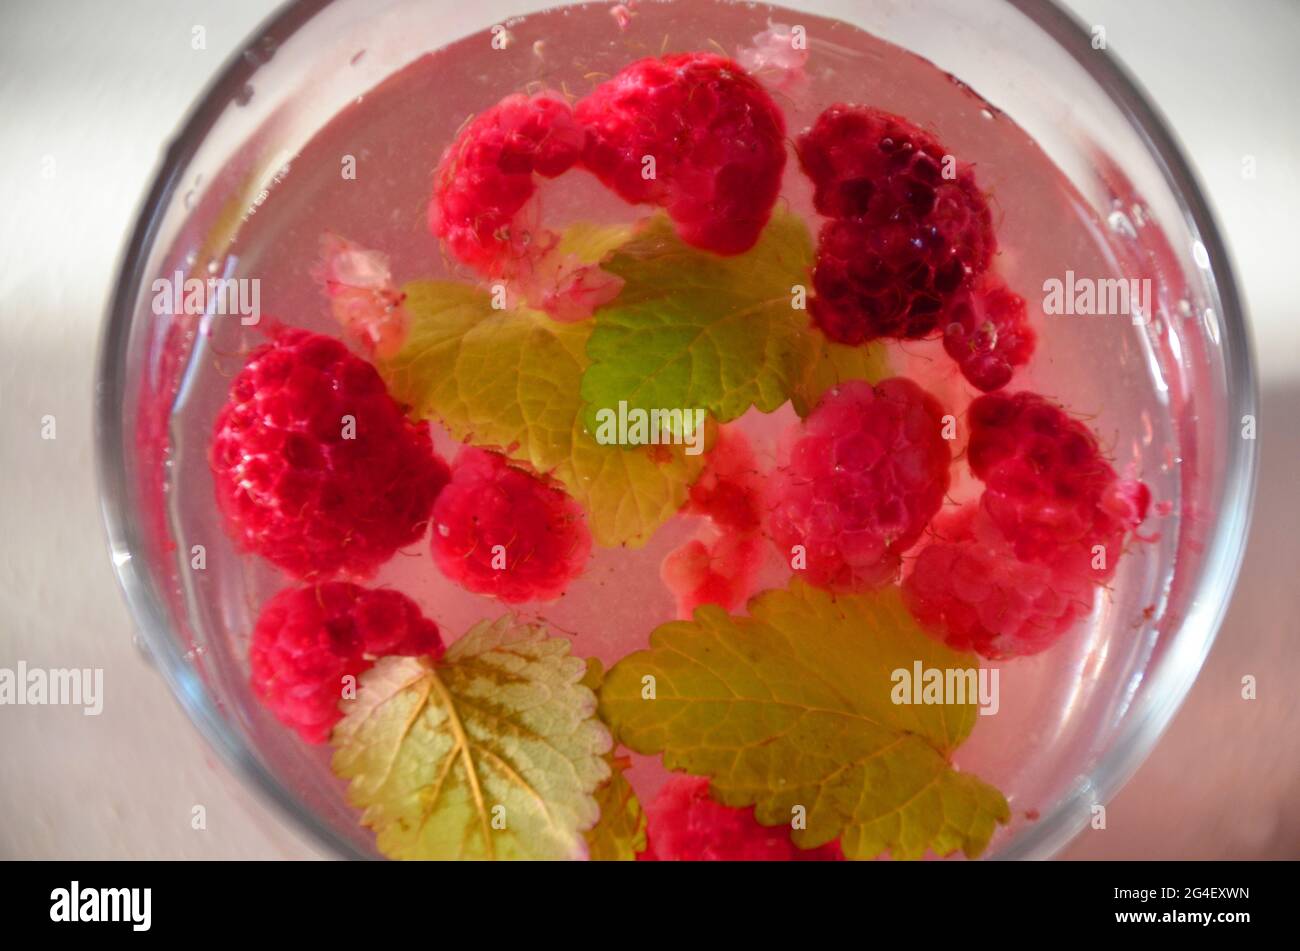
(1120, 224)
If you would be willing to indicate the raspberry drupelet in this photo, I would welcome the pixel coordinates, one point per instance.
(713, 133)
(316, 468)
(308, 639)
(501, 531)
(908, 226)
(867, 473)
(683, 824)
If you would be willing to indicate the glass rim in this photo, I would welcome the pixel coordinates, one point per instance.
(1142, 726)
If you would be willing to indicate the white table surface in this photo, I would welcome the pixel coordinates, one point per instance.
(97, 87)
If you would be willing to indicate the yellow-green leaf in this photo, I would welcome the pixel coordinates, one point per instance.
(620, 833)
(510, 379)
(693, 329)
(493, 752)
(792, 706)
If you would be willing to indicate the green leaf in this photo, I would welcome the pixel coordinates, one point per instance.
(493, 752)
(510, 379)
(792, 706)
(693, 329)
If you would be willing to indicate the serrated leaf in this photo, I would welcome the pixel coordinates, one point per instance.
(792, 706)
(510, 379)
(620, 833)
(693, 329)
(493, 752)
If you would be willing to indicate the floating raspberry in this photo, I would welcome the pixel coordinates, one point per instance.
(720, 564)
(1048, 487)
(316, 467)
(487, 177)
(502, 531)
(308, 639)
(716, 139)
(684, 824)
(968, 586)
(988, 334)
(867, 474)
(729, 490)
(904, 238)
(363, 298)
(720, 571)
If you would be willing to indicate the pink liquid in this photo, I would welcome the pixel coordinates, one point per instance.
(1102, 369)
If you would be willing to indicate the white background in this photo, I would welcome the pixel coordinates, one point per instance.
(99, 86)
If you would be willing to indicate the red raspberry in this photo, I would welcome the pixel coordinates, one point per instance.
(868, 473)
(716, 136)
(967, 586)
(308, 639)
(903, 238)
(1048, 488)
(303, 486)
(729, 490)
(684, 825)
(719, 572)
(720, 566)
(988, 334)
(486, 177)
(502, 531)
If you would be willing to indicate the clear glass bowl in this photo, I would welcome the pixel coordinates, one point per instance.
(1028, 58)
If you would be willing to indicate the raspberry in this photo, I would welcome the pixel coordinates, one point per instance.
(719, 572)
(308, 639)
(968, 586)
(362, 296)
(684, 825)
(1047, 486)
(502, 531)
(487, 176)
(716, 137)
(720, 567)
(865, 477)
(903, 238)
(988, 334)
(316, 467)
(729, 490)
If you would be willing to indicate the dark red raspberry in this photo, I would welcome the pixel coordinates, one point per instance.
(988, 334)
(502, 531)
(1049, 489)
(308, 639)
(864, 479)
(487, 176)
(316, 468)
(716, 137)
(684, 824)
(903, 239)
(968, 586)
